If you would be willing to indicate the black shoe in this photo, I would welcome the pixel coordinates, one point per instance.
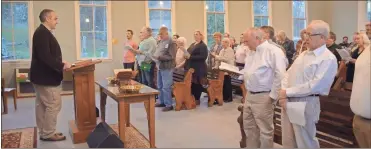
(159, 105)
(216, 102)
(167, 109)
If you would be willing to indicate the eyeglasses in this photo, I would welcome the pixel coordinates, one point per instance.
(307, 35)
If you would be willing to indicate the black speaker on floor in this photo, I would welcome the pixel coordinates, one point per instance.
(103, 136)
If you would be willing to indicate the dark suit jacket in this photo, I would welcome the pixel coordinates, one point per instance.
(289, 47)
(333, 48)
(46, 63)
(197, 61)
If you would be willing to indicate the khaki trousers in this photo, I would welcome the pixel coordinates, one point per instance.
(296, 136)
(258, 120)
(362, 131)
(48, 105)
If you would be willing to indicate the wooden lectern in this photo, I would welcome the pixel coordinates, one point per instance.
(84, 100)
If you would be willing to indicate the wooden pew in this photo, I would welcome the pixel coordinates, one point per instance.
(182, 90)
(215, 89)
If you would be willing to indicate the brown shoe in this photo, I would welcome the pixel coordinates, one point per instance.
(167, 109)
(55, 137)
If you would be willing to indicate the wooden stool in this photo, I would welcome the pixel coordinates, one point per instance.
(182, 92)
(215, 89)
(5, 92)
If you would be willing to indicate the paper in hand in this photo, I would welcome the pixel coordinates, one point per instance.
(296, 112)
(128, 47)
(230, 68)
(345, 55)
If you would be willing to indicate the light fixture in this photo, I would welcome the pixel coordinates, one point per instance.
(87, 20)
(161, 2)
(163, 24)
(206, 7)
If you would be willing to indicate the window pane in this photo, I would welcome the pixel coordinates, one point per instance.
(210, 5)
(99, 2)
(7, 31)
(85, 2)
(86, 18)
(298, 26)
(101, 49)
(369, 9)
(298, 10)
(153, 4)
(257, 22)
(155, 19)
(166, 16)
(211, 28)
(87, 45)
(100, 19)
(219, 18)
(219, 6)
(165, 4)
(260, 8)
(210, 41)
(21, 36)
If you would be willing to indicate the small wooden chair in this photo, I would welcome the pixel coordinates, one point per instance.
(182, 92)
(5, 92)
(215, 89)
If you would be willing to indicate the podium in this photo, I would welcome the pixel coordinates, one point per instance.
(84, 100)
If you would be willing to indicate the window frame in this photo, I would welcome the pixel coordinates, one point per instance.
(293, 18)
(226, 21)
(172, 12)
(78, 30)
(270, 18)
(368, 2)
(31, 30)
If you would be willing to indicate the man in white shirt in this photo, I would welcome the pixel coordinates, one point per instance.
(309, 77)
(263, 72)
(360, 100)
(241, 51)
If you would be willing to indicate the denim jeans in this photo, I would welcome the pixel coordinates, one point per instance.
(164, 83)
(147, 76)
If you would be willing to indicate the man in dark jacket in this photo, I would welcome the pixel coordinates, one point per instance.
(287, 44)
(165, 60)
(332, 46)
(46, 75)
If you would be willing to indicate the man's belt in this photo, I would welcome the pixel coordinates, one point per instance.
(315, 95)
(259, 92)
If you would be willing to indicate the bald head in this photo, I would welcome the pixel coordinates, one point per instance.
(253, 37)
(145, 33)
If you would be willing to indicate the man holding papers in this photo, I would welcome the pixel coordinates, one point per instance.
(310, 76)
(263, 72)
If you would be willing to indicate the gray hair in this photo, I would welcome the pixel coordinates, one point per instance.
(257, 32)
(227, 40)
(366, 41)
(183, 40)
(320, 27)
(148, 30)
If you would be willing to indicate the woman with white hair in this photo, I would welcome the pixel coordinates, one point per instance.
(225, 55)
(363, 42)
(181, 53)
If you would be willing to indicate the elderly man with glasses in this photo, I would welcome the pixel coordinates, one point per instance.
(309, 77)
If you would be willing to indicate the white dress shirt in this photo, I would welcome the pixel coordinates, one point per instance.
(264, 69)
(241, 53)
(360, 100)
(312, 72)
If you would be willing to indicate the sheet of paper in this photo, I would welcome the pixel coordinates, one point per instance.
(295, 112)
(345, 55)
(230, 68)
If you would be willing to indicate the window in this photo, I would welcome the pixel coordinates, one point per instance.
(16, 32)
(299, 18)
(160, 14)
(216, 19)
(261, 13)
(369, 10)
(93, 29)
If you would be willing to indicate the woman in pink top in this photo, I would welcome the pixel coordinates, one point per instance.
(129, 56)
